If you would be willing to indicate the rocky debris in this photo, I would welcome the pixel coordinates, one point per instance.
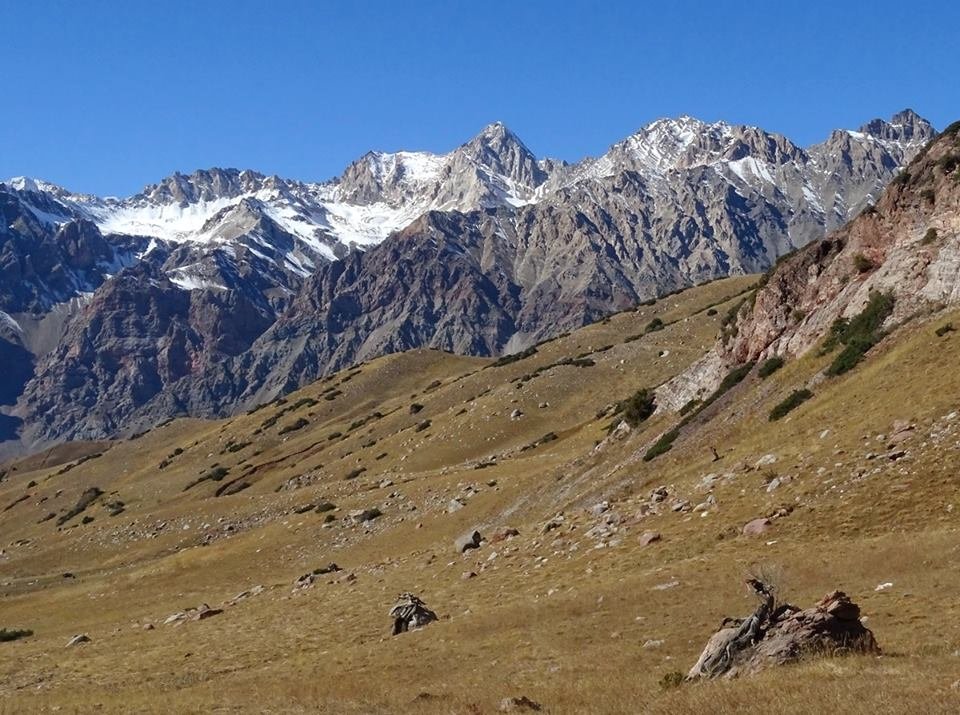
(409, 612)
(78, 640)
(779, 633)
(649, 537)
(308, 579)
(200, 613)
(599, 508)
(666, 586)
(901, 431)
(516, 414)
(519, 704)
(455, 505)
(467, 575)
(205, 612)
(765, 461)
(503, 534)
(365, 515)
(756, 527)
(555, 523)
(471, 540)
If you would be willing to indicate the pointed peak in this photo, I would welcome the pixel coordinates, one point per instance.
(496, 134)
(905, 125)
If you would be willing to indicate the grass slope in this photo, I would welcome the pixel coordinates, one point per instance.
(576, 616)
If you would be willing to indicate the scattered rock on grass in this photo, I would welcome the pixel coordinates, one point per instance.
(519, 704)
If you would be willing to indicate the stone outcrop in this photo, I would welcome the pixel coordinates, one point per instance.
(778, 634)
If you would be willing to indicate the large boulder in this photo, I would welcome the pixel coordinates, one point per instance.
(778, 635)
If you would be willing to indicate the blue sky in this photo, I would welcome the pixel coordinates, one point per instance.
(105, 97)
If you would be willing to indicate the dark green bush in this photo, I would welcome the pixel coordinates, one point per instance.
(425, 425)
(796, 398)
(859, 334)
(653, 326)
(862, 263)
(929, 237)
(12, 634)
(293, 427)
(711, 312)
(638, 407)
(662, 445)
(770, 366)
(513, 357)
(944, 329)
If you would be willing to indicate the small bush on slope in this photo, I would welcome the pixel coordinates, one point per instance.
(795, 399)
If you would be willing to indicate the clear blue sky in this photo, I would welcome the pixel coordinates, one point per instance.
(106, 97)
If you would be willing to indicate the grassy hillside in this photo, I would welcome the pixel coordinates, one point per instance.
(573, 612)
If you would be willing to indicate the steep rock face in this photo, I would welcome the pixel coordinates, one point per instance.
(43, 264)
(908, 245)
(137, 334)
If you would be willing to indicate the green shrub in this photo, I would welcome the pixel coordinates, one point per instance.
(689, 406)
(859, 334)
(929, 195)
(662, 445)
(862, 263)
(653, 326)
(944, 329)
(902, 178)
(86, 499)
(796, 398)
(12, 634)
(929, 237)
(711, 312)
(425, 425)
(293, 427)
(513, 357)
(770, 366)
(948, 162)
(638, 407)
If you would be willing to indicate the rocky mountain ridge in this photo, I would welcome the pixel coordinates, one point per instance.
(906, 247)
(491, 250)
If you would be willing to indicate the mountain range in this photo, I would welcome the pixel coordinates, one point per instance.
(213, 292)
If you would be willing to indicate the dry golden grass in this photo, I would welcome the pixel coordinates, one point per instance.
(550, 616)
